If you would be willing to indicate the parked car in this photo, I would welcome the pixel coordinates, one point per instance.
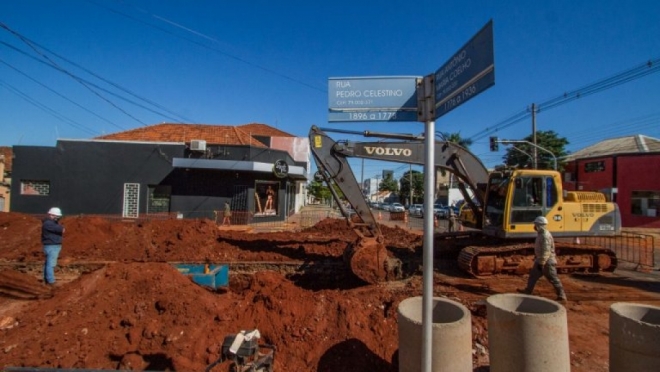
(397, 207)
(440, 211)
(416, 210)
(444, 211)
(386, 207)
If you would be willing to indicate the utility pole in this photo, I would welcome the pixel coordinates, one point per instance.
(362, 179)
(411, 185)
(534, 154)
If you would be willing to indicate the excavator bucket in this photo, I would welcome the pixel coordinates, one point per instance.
(369, 260)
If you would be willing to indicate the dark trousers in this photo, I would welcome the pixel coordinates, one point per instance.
(549, 270)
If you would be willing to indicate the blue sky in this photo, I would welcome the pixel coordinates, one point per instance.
(231, 63)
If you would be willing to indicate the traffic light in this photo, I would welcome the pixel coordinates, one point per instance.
(494, 144)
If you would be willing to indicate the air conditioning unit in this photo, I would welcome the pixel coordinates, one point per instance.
(198, 145)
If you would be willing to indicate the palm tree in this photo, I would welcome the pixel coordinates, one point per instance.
(455, 138)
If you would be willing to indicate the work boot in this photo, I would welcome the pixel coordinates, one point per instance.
(523, 291)
(561, 297)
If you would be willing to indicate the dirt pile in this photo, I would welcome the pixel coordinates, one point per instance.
(99, 239)
(133, 310)
(147, 316)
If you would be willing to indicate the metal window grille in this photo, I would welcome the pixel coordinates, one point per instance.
(32, 187)
(131, 207)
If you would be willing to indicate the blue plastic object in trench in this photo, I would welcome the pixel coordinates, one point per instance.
(207, 275)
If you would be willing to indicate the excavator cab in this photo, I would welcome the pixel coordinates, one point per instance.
(516, 197)
(513, 201)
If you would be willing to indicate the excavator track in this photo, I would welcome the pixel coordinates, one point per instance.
(519, 258)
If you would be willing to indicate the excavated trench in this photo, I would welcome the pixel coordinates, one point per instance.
(120, 304)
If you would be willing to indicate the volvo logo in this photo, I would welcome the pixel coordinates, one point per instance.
(389, 151)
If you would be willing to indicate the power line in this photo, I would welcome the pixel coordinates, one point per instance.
(53, 64)
(617, 128)
(47, 109)
(634, 73)
(197, 33)
(88, 84)
(60, 95)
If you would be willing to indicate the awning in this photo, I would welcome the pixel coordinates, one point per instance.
(296, 172)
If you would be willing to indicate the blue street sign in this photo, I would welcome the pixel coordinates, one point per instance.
(469, 72)
(358, 99)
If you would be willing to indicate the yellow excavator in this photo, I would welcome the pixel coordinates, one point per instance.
(503, 205)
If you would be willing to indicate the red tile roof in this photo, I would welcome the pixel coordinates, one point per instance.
(212, 134)
(6, 151)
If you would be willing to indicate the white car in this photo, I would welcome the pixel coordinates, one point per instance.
(416, 209)
(397, 207)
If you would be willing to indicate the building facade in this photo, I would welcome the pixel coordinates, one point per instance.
(370, 188)
(626, 170)
(5, 177)
(183, 169)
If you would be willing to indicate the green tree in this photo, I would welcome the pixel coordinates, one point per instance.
(520, 156)
(455, 138)
(319, 191)
(417, 186)
(388, 184)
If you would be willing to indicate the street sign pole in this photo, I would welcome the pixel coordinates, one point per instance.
(466, 74)
(391, 99)
(426, 104)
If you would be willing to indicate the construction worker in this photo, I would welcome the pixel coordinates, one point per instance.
(451, 220)
(545, 260)
(226, 220)
(51, 238)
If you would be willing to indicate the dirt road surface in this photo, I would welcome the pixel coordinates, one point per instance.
(120, 304)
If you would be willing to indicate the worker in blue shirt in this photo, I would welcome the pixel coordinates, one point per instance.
(51, 238)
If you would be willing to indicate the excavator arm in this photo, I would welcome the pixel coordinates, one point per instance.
(331, 157)
(368, 258)
(333, 168)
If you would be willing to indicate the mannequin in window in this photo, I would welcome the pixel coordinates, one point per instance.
(270, 194)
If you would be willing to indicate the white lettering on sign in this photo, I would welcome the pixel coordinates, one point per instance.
(453, 75)
(379, 116)
(451, 65)
(458, 98)
(387, 151)
(370, 93)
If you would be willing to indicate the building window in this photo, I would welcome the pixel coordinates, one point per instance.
(529, 198)
(35, 188)
(645, 203)
(158, 199)
(594, 166)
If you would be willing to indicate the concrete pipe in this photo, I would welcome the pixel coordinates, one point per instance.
(634, 337)
(527, 333)
(451, 348)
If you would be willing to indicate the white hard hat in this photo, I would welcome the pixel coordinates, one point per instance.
(55, 212)
(540, 220)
